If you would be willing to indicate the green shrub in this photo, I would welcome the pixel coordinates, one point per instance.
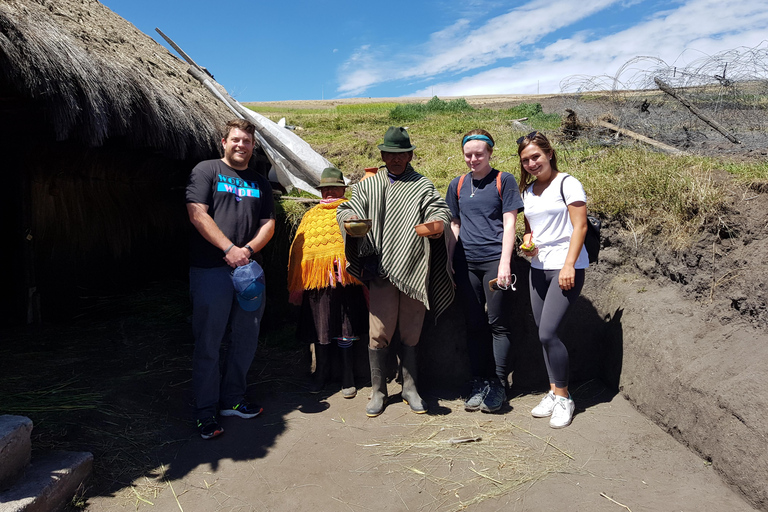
(525, 110)
(536, 116)
(413, 111)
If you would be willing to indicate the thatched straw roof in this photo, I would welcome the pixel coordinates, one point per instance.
(96, 76)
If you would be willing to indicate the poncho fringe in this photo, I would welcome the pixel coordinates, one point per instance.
(318, 260)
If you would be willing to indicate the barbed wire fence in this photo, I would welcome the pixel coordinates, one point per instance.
(730, 89)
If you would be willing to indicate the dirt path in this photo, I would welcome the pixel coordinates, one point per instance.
(310, 453)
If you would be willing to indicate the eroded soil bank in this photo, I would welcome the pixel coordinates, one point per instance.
(691, 328)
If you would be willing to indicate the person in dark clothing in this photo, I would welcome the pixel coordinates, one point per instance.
(484, 204)
(232, 209)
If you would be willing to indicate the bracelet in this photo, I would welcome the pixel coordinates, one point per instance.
(226, 251)
(249, 248)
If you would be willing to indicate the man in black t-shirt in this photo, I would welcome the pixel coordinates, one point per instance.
(231, 207)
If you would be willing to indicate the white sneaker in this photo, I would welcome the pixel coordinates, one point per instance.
(545, 407)
(562, 413)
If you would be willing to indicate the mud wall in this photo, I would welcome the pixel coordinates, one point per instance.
(443, 346)
(702, 381)
(699, 379)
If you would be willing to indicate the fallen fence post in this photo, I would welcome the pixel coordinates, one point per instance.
(711, 122)
(641, 138)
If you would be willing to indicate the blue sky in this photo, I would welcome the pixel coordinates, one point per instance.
(304, 50)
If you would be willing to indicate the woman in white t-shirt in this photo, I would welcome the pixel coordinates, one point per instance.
(555, 207)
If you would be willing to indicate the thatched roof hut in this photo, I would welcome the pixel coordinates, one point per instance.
(101, 126)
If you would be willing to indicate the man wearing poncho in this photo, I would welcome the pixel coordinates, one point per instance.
(406, 274)
(333, 304)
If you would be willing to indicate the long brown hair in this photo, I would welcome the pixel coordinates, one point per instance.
(538, 139)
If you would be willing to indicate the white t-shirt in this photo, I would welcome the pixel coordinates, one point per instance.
(550, 223)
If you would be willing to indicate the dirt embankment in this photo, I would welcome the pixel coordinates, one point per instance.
(724, 271)
(689, 330)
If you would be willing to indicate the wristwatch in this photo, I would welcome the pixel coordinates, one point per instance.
(249, 248)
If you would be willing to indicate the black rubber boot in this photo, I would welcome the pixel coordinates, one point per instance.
(378, 360)
(348, 389)
(410, 394)
(322, 368)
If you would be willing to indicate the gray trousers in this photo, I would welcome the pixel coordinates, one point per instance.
(214, 307)
(549, 304)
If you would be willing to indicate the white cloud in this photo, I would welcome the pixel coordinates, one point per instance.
(679, 36)
(462, 47)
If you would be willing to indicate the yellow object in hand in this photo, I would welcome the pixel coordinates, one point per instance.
(528, 247)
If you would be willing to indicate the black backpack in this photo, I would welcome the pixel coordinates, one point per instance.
(592, 240)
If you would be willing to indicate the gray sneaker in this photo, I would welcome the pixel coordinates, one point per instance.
(494, 399)
(480, 388)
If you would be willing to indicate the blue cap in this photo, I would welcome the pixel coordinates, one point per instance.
(249, 284)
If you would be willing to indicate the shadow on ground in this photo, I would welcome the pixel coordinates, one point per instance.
(116, 382)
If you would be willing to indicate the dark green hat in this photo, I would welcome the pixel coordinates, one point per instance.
(331, 177)
(396, 140)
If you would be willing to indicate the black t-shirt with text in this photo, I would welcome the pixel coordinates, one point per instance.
(237, 201)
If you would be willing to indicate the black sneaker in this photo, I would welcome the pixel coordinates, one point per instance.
(480, 389)
(494, 399)
(243, 410)
(209, 428)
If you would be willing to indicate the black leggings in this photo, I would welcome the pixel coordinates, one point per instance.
(549, 304)
(472, 286)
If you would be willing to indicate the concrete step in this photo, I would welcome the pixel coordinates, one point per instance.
(49, 483)
(15, 448)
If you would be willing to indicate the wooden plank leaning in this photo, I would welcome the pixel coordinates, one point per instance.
(642, 138)
(301, 173)
(711, 122)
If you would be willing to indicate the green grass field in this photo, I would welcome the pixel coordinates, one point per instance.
(643, 191)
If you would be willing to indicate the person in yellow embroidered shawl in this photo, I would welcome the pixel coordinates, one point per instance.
(333, 303)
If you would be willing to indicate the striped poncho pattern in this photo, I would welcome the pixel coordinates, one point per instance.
(416, 265)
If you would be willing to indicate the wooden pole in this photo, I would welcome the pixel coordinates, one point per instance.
(182, 52)
(711, 122)
(307, 173)
(641, 138)
(302, 173)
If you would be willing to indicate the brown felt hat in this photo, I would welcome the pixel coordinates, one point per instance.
(396, 140)
(331, 177)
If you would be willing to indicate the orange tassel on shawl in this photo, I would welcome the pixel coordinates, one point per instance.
(317, 253)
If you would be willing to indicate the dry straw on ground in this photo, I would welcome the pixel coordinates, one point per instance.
(460, 460)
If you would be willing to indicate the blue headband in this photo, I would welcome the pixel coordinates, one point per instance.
(483, 138)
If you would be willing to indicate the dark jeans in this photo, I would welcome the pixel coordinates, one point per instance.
(489, 334)
(214, 307)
